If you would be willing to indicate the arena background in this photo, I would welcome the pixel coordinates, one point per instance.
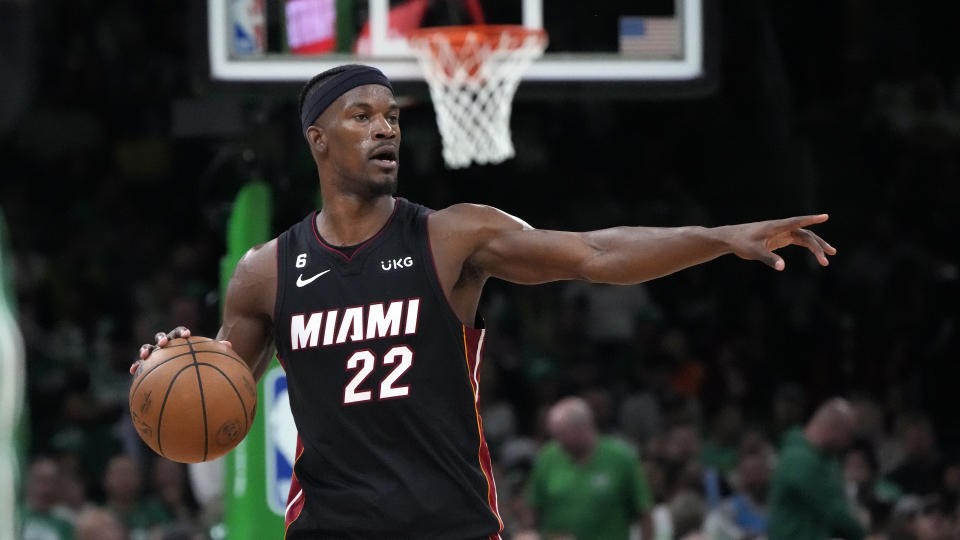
(116, 200)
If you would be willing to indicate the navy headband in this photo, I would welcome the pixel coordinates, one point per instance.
(327, 91)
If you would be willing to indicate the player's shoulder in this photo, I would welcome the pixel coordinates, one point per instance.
(258, 266)
(252, 288)
(475, 218)
(260, 257)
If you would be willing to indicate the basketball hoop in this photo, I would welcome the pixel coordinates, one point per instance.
(473, 73)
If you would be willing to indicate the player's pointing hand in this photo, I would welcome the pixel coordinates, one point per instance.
(758, 241)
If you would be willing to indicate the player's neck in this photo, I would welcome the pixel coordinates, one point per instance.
(348, 221)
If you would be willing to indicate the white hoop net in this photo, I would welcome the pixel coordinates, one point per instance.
(472, 84)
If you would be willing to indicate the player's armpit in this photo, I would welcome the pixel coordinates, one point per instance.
(248, 308)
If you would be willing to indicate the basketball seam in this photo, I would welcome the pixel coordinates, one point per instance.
(246, 421)
(234, 358)
(163, 406)
(140, 380)
(184, 344)
(203, 404)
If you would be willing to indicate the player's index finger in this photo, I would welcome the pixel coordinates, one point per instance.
(800, 222)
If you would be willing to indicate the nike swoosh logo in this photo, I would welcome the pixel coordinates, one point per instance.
(301, 282)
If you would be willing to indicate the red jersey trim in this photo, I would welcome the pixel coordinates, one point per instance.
(472, 350)
(295, 499)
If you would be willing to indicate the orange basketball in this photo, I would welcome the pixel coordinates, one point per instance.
(193, 400)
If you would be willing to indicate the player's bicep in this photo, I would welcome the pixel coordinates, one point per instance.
(531, 256)
(247, 313)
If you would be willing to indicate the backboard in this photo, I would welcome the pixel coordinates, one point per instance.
(613, 40)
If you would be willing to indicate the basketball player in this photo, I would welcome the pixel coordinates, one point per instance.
(371, 305)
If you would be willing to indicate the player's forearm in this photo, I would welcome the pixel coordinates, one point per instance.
(626, 255)
(250, 341)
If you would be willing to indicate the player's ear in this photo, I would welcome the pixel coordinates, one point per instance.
(317, 137)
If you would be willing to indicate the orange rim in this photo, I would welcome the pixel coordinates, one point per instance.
(490, 33)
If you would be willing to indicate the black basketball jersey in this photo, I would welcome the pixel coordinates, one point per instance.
(382, 378)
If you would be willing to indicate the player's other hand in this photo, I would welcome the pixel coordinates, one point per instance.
(162, 339)
(758, 241)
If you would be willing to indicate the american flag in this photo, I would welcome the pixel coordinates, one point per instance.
(650, 37)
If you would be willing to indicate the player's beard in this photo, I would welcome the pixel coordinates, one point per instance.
(381, 188)
(368, 188)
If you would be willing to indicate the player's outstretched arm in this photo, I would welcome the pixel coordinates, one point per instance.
(247, 312)
(503, 246)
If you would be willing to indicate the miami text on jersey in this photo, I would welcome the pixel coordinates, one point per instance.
(359, 323)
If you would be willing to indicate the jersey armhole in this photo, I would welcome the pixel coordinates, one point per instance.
(433, 276)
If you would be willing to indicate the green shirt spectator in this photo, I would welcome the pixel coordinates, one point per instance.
(122, 482)
(44, 526)
(141, 518)
(596, 499)
(807, 500)
(42, 491)
(722, 458)
(721, 447)
(596, 493)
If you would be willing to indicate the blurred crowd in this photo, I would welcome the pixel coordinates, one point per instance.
(59, 504)
(116, 207)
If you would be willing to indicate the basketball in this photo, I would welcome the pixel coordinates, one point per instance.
(193, 400)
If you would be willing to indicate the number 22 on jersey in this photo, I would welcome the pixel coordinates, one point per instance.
(364, 362)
